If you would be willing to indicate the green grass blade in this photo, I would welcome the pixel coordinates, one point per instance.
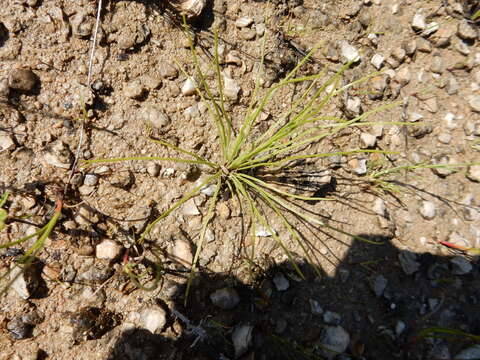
(396, 169)
(270, 200)
(179, 203)
(146, 158)
(183, 151)
(283, 193)
(261, 219)
(206, 220)
(437, 331)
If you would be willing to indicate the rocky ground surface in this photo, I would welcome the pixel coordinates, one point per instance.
(370, 301)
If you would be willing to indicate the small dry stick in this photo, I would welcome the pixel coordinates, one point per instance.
(94, 45)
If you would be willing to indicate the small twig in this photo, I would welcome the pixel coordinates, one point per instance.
(94, 45)
(198, 331)
(75, 162)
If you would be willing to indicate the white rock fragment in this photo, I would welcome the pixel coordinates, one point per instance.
(208, 190)
(473, 173)
(20, 282)
(189, 208)
(6, 142)
(428, 210)
(189, 8)
(368, 140)
(474, 102)
(153, 169)
(353, 106)
(108, 250)
(189, 87)
(379, 207)
(430, 29)
(262, 232)
(450, 121)
(243, 22)
(358, 166)
(418, 22)
(231, 88)
(181, 252)
(153, 319)
(349, 52)
(91, 179)
(377, 61)
(242, 338)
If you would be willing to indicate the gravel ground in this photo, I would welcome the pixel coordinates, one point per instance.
(369, 302)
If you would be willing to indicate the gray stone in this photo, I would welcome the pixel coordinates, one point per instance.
(96, 274)
(408, 262)
(466, 31)
(437, 65)
(189, 208)
(154, 116)
(410, 47)
(430, 29)
(242, 338)
(424, 45)
(134, 89)
(168, 71)
(377, 86)
(332, 318)
(460, 265)
(399, 54)
(379, 284)
(281, 282)
(445, 138)
(471, 353)
(403, 76)
(379, 207)
(400, 327)
(452, 86)
(226, 298)
(315, 307)
(334, 340)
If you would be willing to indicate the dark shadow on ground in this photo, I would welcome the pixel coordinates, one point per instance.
(370, 296)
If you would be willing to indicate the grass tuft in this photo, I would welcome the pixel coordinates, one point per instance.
(246, 159)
